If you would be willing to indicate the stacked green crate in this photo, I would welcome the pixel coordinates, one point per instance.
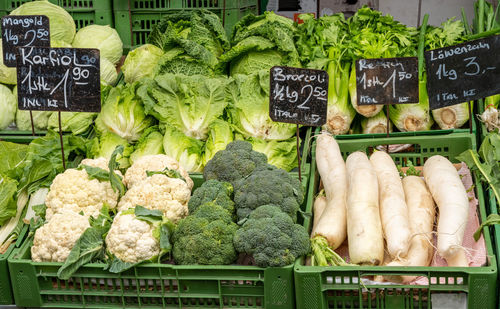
(135, 19)
(343, 286)
(6, 296)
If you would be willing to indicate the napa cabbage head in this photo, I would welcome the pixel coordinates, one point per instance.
(141, 62)
(250, 111)
(62, 25)
(104, 38)
(123, 114)
(186, 150)
(188, 103)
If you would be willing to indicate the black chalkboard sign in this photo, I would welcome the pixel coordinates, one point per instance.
(23, 31)
(464, 72)
(58, 79)
(298, 95)
(387, 81)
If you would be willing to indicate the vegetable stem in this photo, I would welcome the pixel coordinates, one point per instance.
(421, 46)
(468, 31)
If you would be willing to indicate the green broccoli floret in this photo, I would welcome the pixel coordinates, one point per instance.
(271, 237)
(205, 237)
(214, 191)
(237, 161)
(268, 186)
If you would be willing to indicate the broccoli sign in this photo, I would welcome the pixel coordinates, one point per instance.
(298, 96)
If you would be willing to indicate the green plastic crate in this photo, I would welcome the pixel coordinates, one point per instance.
(84, 12)
(155, 285)
(135, 19)
(319, 287)
(5, 287)
(495, 229)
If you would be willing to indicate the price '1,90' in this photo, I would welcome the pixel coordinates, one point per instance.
(283, 93)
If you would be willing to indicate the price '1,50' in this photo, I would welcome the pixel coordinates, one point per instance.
(282, 93)
(472, 69)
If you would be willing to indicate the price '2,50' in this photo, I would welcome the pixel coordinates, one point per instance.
(283, 93)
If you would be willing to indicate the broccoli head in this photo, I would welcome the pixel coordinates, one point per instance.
(271, 237)
(205, 237)
(237, 161)
(214, 191)
(268, 186)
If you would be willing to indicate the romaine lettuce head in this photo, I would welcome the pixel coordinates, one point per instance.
(8, 106)
(186, 150)
(108, 72)
(123, 113)
(141, 62)
(188, 103)
(282, 154)
(7, 75)
(250, 111)
(219, 136)
(104, 38)
(150, 143)
(62, 25)
(104, 145)
(74, 122)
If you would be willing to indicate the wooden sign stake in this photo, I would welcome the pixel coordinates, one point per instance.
(470, 116)
(61, 139)
(32, 124)
(388, 124)
(298, 153)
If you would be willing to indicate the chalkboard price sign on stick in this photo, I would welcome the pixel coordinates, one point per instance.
(298, 96)
(23, 31)
(387, 81)
(58, 79)
(464, 72)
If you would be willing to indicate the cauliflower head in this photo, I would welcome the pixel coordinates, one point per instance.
(131, 240)
(75, 190)
(55, 239)
(154, 163)
(159, 192)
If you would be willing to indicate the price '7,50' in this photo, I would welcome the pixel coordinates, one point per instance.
(283, 93)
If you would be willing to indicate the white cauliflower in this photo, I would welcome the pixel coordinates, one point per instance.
(74, 190)
(131, 240)
(153, 163)
(159, 192)
(55, 239)
(98, 162)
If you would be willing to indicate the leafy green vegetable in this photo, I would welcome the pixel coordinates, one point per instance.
(186, 150)
(8, 189)
(250, 111)
(7, 75)
(8, 105)
(188, 103)
(114, 178)
(167, 172)
(23, 119)
(150, 143)
(11, 155)
(219, 136)
(123, 113)
(486, 162)
(62, 25)
(104, 38)
(141, 62)
(108, 72)
(491, 220)
(104, 145)
(74, 122)
(282, 154)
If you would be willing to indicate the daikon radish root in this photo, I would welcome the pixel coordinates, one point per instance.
(393, 209)
(449, 193)
(364, 229)
(318, 207)
(421, 213)
(332, 224)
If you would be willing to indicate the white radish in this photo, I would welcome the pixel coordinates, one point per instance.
(318, 208)
(331, 167)
(450, 196)
(393, 209)
(421, 213)
(364, 229)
